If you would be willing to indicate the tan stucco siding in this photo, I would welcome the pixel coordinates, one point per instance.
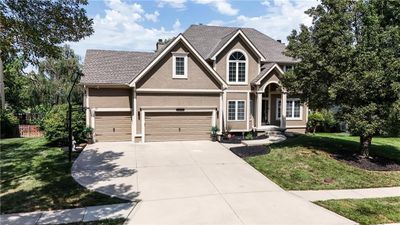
(236, 125)
(160, 77)
(253, 65)
(181, 100)
(110, 97)
(270, 78)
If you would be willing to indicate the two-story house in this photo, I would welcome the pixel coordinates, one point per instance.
(207, 76)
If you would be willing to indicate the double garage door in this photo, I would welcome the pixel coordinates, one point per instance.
(177, 126)
(159, 126)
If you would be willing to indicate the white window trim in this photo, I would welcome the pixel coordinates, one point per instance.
(236, 110)
(289, 118)
(237, 68)
(185, 57)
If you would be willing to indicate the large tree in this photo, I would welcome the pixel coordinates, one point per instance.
(350, 58)
(32, 29)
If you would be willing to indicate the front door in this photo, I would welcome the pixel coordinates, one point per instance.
(264, 112)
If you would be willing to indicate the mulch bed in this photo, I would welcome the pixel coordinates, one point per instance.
(374, 163)
(248, 151)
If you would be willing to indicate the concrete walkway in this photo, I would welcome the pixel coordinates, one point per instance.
(322, 195)
(197, 182)
(92, 213)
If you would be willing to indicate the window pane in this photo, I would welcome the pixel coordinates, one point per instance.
(180, 66)
(240, 110)
(237, 56)
(231, 110)
(232, 72)
(242, 72)
(289, 108)
(296, 113)
(279, 109)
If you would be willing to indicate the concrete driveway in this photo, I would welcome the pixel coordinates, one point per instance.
(197, 182)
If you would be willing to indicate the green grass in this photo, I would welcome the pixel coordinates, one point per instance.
(303, 163)
(101, 222)
(366, 211)
(36, 176)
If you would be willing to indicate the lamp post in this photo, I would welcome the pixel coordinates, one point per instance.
(78, 75)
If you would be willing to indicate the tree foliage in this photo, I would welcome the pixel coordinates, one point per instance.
(350, 58)
(36, 28)
(54, 124)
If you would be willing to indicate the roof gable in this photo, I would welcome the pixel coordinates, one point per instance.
(266, 69)
(205, 39)
(166, 50)
(228, 39)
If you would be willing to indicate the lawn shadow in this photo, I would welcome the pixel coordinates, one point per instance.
(39, 178)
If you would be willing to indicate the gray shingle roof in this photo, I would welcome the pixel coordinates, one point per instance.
(121, 67)
(113, 67)
(208, 39)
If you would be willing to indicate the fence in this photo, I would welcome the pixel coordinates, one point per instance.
(29, 131)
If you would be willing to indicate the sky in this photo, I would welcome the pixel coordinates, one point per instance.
(137, 25)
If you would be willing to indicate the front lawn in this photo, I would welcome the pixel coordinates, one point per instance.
(35, 176)
(366, 211)
(305, 163)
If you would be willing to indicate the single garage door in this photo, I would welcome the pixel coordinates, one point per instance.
(113, 126)
(177, 126)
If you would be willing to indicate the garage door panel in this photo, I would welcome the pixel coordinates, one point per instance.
(113, 126)
(175, 126)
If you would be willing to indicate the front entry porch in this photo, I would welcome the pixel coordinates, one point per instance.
(270, 102)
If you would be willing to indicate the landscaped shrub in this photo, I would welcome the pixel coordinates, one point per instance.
(323, 120)
(55, 124)
(9, 123)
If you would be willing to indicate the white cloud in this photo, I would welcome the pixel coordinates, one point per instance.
(152, 16)
(179, 4)
(281, 17)
(222, 6)
(177, 25)
(120, 29)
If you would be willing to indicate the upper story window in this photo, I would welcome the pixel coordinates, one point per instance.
(179, 65)
(237, 67)
(287, 68)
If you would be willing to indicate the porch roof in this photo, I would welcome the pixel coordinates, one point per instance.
(265, 70)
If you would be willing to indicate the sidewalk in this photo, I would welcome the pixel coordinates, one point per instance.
(91, 213)
(323, 195)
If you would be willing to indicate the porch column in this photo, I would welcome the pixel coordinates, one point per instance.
(259, 107)
(283, 109)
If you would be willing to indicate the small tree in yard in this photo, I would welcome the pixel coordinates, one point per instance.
(350, 58)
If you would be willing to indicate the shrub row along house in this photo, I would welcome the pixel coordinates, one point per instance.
(207, 76)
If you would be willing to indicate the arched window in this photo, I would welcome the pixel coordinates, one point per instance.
(237, 68)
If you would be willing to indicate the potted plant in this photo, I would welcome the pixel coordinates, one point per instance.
(89, 134)
(214, 131)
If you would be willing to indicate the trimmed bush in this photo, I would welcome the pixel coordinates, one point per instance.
(9, 123)
(323, 120)
(55, 124)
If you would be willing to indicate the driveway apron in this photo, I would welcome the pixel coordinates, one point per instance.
(192, 182)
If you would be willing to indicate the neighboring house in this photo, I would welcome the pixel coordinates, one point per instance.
(207, 76)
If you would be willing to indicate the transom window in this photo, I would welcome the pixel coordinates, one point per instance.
(293, 109)
(179, 65)
(237, 68)
(236, 110)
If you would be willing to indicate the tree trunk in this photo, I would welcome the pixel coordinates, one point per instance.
(365, 142)
(2, 96)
